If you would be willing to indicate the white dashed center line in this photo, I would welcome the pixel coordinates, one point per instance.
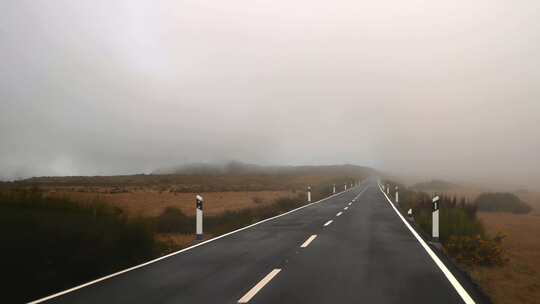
(345, 208)
(328, 223)
(308, 241)
(250, 294)
(339, 213)
(350, 203)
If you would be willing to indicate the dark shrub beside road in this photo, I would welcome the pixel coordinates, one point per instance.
(501, 202)
(52, 244)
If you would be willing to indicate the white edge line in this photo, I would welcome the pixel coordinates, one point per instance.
(179, 251)
(255, 289)
(308, 241)
(451, 278)
(328, 223)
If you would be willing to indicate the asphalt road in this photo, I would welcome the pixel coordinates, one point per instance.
(365, 255)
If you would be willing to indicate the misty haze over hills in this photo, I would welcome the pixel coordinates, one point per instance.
(229, 169)
(236, 167)
(421, 89)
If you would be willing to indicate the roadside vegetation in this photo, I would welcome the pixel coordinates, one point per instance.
(502, 257)
(53, 243)
(461, 232)
(50, 244)
(173, 220)
(501, 202)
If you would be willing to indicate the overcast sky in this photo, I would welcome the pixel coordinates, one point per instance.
(446, 89)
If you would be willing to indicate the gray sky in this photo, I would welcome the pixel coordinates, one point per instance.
(444, 89)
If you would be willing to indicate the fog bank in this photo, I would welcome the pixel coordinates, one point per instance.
(442, 89)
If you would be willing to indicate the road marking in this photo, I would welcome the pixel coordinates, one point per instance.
(350, 203)
(328, 223)
(253, 291)
(358, 196)
(179, 251)
(345, 208)
(451, 278)
(308, 241)
(339, 213)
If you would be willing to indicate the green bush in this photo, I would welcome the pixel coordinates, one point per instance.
(452, 222)
(501, 202)
(51, 244)
(174, 220)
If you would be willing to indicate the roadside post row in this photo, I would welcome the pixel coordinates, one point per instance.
(260, 285)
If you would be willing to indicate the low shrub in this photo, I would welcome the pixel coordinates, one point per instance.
(476, 250)
(460, 231)
(50, 244)
(452, 222)
(501, 202)
(173, 220)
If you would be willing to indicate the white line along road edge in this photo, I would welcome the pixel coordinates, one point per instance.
(182, 250)
(253, 291)
(455, 283)
(308, 241)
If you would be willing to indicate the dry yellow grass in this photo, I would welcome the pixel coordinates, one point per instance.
(519, 280)
(152, 203)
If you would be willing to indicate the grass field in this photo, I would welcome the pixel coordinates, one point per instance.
(519, 280)
(148, 202)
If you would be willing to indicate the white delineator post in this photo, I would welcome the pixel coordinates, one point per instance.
(435, 219)
(345, 186)
(199, 217)
(387, 189)
(397, 195)
(334, 189)
(309, 194)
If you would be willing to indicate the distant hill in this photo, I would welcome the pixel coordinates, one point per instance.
(240, 168)
(501, 202)
(233, 176)
(435, 185)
